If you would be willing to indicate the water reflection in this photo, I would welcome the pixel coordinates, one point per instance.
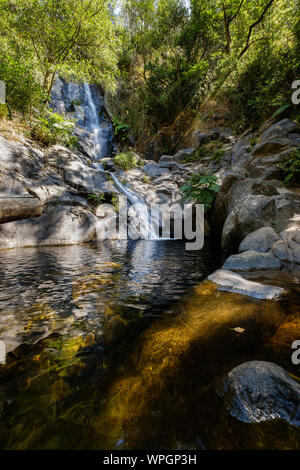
(70, 290)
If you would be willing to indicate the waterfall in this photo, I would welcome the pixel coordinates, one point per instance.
(94, 126)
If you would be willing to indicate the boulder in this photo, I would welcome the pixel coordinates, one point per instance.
(231, 282)
(291, 238)
(154, 170)
(283, 128)
(240, 151)
(58, 225)
(182, 154)
(282, 251)
(261, 240)
(20, 158)
(277, 138)
(19, 208)
(250, 212)
(200, 138)
(258, 391)
(252, 260)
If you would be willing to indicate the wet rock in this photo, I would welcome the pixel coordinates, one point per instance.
(252, 260)
(232, 282)
(261, 240)
(259, 391)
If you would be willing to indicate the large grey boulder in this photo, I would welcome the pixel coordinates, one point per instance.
(252, 260)
(58, 225)
(20, 158)
(283, 128)
(278, 137)
(261, 240)
(251, 212)
(154, 170)
(231, 282)
(240, 151)
(19, 208)
(291, 238)
(282, 251)
(259, 391)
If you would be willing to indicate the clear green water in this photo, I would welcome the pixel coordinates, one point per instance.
(120, 347)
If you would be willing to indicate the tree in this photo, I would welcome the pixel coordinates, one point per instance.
(73, 37)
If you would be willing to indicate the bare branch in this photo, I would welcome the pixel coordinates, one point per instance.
(253, 25)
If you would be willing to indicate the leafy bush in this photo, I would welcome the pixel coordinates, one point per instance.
(291, 168)
(52, 128)
(201, 189)
(126, 161)
(121, 129)
(22, 87)
(218, 155)
(3, 111)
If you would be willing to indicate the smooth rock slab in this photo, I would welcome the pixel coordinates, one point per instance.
(232, 282)
(19, 208)
(252, 260)
(261, 240)
(260, 391)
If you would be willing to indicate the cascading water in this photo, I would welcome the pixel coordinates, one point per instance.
(93, 125)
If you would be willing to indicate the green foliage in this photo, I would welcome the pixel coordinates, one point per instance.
(173, 58)
(291, 168)
(115, 202)
(218, 155)
(146, 179)
(3, 111)
(126, 161)
(17, 70)
(95, 199)
(281, 110)
(201, 189)
(40, 39)
(121, 129)
(52, 128)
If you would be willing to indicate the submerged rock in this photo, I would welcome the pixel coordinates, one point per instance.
(260, 391)
(232, 282)
(252, 260)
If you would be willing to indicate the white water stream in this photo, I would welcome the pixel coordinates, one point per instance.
(142, 210)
